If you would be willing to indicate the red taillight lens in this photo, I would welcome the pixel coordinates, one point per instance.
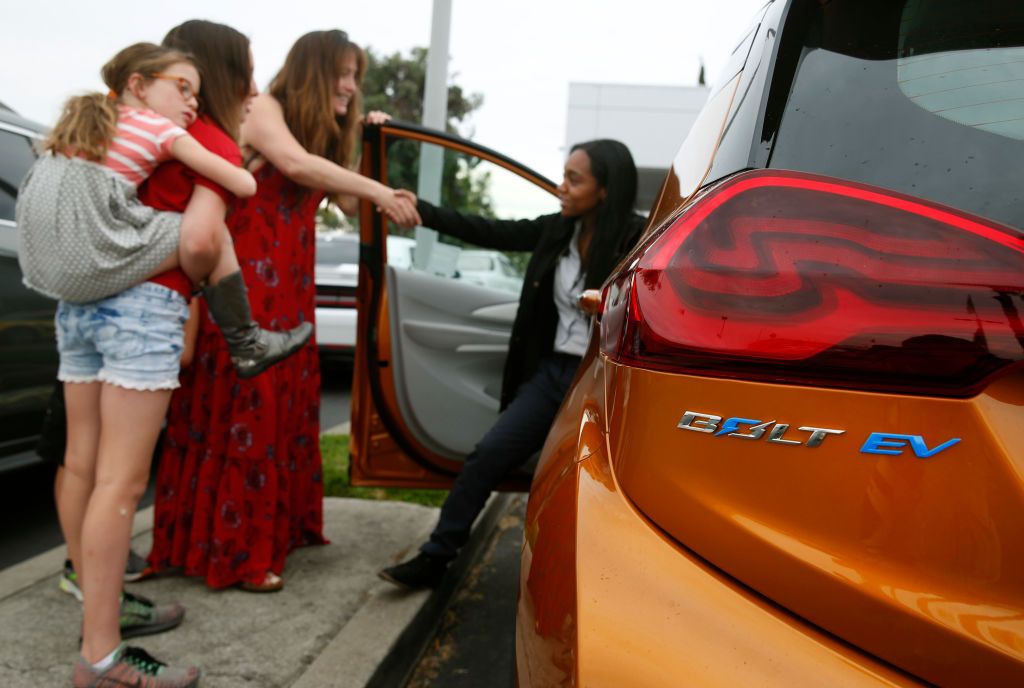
(796, 278)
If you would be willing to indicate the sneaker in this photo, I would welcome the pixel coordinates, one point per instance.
(133, 667)
(137, 568)
(422, 571)
(69, 581)
(139, 616)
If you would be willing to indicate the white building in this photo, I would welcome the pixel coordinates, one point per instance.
(651, 120)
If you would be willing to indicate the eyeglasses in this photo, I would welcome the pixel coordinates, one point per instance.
(184, 87)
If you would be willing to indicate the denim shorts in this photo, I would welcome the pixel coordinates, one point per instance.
(133, 339)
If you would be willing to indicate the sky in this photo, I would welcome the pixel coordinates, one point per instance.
(520, 56)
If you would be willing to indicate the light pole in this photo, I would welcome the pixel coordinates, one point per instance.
(435, 114)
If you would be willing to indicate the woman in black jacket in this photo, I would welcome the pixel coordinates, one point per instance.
(573, 250)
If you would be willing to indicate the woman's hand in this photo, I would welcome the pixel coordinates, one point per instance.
(399, 205)
(376, 117)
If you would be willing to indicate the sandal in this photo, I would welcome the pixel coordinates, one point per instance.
(270, 583)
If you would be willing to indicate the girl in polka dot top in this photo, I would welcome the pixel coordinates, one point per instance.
(139, 124)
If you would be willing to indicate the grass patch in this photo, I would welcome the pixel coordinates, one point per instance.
(334, 449)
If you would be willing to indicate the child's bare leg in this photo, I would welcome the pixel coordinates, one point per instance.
(227, 261)
(75, 481)
(77, 478)
(130, 425)
(203, 255)
(200, 249)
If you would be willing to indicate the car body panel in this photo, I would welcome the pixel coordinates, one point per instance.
(430, 348)
(28, 355)
(925, 548)
(607, 599)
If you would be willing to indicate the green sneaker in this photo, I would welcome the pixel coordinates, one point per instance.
(133, 667)
(136, 569)
(69, 581)
(139, 616)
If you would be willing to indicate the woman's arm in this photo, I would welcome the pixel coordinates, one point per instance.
(348, 203)
(266, 131)
(503, 235)
(237, 180)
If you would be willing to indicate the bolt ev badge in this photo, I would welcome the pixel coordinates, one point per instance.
(752, 429)
(706, 422)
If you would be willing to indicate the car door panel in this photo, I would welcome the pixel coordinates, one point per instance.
(430, 349)
(450, 360)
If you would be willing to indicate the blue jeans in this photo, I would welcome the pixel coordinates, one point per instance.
(133, 339)
(519, 432)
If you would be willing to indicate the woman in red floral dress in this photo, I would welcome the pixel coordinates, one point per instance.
(240, 479)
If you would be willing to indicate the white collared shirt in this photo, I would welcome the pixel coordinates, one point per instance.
(573, 330)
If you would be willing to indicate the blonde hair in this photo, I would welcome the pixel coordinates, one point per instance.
(88, 122)
(305, 89)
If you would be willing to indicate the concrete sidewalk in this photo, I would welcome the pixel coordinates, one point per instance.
(332, 625)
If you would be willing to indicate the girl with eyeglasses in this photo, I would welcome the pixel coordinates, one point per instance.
(84, 234)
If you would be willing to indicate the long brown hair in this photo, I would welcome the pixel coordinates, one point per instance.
(222, 56)
(88, 122)
(305, 88)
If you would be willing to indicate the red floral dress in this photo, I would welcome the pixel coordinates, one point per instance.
(239, 484)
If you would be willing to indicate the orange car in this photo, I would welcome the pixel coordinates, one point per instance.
(794, 454)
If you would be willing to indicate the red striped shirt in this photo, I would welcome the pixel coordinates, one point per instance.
(143, 141)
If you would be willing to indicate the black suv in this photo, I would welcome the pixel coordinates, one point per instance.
(28, 355)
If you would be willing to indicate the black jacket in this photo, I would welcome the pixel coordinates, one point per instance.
(547, 236)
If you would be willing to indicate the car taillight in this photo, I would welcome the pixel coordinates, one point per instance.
(789, 277)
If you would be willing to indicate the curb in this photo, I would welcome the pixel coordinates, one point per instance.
(397, 666)
(381, 644)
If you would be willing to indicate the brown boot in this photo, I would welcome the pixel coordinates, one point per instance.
(252, 348)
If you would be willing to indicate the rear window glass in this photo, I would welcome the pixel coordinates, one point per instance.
(336, 251)
(921, 96)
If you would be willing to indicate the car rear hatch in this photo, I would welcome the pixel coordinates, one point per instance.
(815, 370)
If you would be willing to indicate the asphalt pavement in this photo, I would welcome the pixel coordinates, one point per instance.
(474, 644)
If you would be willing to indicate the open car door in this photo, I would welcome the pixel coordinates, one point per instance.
(433, 325)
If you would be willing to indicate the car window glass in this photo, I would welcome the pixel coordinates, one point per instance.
(469, 184)
(930, 104)
(966, 79)
(16, 157)
(474, 261)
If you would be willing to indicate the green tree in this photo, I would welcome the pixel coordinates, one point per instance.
(395, 83)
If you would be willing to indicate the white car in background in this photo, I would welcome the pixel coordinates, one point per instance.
(488, 269)
(337, 275)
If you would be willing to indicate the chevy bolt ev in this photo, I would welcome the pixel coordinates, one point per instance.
(28, 356)
(794, 454)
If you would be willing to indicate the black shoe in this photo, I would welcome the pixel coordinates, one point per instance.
(422, 571)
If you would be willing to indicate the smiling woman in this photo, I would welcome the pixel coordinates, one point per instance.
(243, 499)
